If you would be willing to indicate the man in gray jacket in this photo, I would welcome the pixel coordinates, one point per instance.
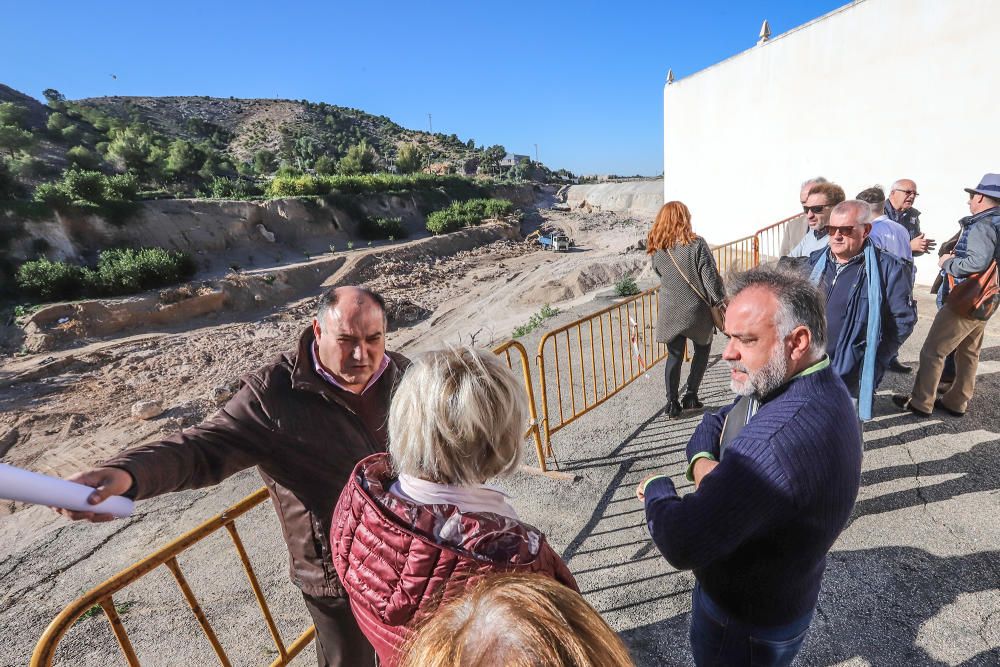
(950, 332)
(304, 420)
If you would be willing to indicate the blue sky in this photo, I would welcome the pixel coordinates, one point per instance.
(583, 80)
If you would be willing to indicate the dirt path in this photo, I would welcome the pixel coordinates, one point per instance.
(73, 408)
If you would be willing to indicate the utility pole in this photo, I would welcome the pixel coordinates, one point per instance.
(430, 126)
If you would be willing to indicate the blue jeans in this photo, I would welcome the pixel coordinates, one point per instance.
(719, 639)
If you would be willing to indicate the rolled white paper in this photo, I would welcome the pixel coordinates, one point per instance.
(32, 487)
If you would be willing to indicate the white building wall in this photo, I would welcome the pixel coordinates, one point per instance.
(874, 91)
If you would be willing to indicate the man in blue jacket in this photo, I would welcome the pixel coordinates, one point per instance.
(978, 245)
(776, 475)
(869, 302)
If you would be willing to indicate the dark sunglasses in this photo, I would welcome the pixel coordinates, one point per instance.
(847, 230)
(815, 210)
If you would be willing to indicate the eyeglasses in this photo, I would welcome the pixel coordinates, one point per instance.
(847, 230)
(908, 192)
(815, 210)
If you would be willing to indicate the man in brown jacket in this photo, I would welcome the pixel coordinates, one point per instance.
(304, 420)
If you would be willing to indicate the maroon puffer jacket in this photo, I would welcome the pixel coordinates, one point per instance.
(398, 560)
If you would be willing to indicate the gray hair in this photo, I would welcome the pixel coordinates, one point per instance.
(800, 303)
(813, 181)
(875, 197)
(458, 417)
(895, 184)
(860, 211)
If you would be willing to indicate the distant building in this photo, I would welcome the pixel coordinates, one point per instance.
(512, 160)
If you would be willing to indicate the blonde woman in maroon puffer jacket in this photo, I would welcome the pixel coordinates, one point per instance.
(416, 527)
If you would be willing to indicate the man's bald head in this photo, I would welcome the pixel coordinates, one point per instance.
(353, 295)
(349, 330)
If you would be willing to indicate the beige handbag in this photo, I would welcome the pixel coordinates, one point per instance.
(718, 312)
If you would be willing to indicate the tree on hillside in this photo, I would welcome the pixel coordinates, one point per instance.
(304, 149)
(82, 158)
(13, 139)
(182, 157)
(131, 149)
(491, 157)
(360, 159)
(325, 165)
(264, 161)
(57, 122)
(54, 97)
(408, 159)
(13, 114)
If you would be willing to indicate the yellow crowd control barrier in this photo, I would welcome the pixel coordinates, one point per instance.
(103, 594)
(771, 240)
(584, 363)
(533, 431)
(738, 255)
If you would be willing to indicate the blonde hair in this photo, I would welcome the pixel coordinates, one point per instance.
(672, 227)
(458, 417)
(516, 620)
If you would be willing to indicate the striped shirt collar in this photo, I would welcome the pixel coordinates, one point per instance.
(330, 379)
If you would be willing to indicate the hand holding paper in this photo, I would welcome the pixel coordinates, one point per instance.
(71, 496)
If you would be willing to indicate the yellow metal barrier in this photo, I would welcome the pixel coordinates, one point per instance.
(738, 255)
(773, 239)
(533, 431)
(103, 594)
(594, 358)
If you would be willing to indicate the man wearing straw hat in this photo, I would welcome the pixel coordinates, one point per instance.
(978, 245)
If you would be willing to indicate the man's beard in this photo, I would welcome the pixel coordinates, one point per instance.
(763, 381)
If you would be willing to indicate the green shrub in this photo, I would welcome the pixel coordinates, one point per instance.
(119, 271)
(296, 185)
(80, 156)
(381, 228)
(466, 214)
(231, 188)
(50, 281)
(125, 270)
(535, 321)
(626, 286)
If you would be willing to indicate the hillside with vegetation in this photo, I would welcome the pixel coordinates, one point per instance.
(214, 147)
(104, 155)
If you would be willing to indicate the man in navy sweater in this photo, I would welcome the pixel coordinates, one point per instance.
(776, 475)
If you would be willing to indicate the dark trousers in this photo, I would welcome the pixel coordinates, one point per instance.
(339, 641)
(672, 367)
(718, 639)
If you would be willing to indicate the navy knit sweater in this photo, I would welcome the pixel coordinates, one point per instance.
(757, 530)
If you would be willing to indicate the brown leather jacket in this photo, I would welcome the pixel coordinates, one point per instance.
(302, 435)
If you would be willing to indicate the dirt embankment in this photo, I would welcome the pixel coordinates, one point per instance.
(641, 199)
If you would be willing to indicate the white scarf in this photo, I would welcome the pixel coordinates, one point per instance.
(466, 498)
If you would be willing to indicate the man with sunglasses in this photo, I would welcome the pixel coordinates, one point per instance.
(868, 300)
(798, 227)
(978, 245)
(820, 201)
(899, 208)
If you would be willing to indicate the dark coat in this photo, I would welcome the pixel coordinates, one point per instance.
(398, 565)
(302, 435)
(898, 315)
(681, 311)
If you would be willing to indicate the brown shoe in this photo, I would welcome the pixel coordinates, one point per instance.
(941, 406)
(902, 402)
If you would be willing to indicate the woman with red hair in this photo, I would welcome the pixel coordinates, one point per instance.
(690, 285)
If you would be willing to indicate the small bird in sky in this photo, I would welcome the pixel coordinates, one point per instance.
(114, 76)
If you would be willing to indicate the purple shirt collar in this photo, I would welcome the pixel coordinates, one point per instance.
(325, 374)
